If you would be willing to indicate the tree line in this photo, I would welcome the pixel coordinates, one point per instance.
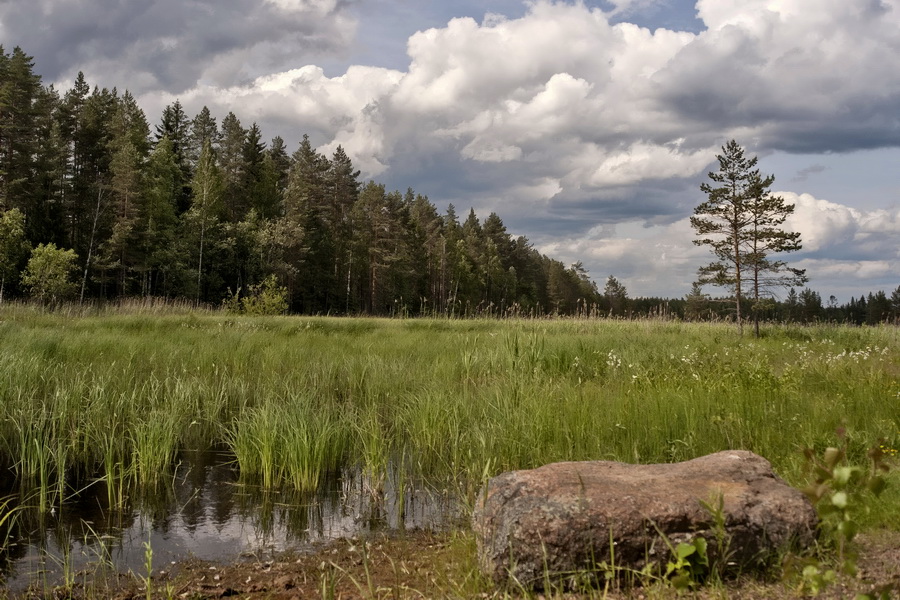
(805, 306)
(97, 204)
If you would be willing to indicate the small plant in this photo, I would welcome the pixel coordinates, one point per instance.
(262, 299)
(839, 491)
(691, 564)
(722, 550)
(148, 567)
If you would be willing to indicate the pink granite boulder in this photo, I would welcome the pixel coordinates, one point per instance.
(558, 519)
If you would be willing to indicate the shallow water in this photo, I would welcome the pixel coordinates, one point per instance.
(207, 514)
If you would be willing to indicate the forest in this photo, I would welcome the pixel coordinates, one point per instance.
(196, 209)
(98, 204)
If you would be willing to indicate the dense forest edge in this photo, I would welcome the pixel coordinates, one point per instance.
(97, 205)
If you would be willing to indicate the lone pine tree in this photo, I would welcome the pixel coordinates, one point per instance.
(741, 222)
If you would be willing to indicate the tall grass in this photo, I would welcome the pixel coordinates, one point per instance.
(116, 395)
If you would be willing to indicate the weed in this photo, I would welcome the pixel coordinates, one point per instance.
(840, 492)
(691, 564)
(147, 580)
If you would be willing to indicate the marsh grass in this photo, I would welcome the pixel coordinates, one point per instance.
(116, 395)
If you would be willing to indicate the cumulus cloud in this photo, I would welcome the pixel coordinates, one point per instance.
(834, 232)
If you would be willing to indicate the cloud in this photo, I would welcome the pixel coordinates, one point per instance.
(174, 45)
(803, 174)
(567, 120)
(606, 110)
(625, 8)
(838, 232)
(795, 74)
(844, 250)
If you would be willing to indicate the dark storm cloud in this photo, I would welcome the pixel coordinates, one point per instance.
(172, 44)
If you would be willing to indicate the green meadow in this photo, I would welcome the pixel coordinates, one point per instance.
(117, 395)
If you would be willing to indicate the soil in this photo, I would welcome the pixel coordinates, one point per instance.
(435, 565)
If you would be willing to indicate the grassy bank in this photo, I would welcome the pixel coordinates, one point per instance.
(117, 396)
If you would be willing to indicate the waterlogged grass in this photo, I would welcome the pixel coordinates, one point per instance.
(117, 396)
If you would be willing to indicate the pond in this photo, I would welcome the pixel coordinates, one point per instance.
(207, 513)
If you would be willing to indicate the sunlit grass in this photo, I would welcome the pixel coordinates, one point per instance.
(116, 395)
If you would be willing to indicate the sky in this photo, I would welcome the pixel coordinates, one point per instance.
(588, 126)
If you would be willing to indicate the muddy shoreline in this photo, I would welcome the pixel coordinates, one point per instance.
(416, 564)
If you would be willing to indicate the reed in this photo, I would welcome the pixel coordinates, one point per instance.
(154, 446)
(293, 442)
(315, 443)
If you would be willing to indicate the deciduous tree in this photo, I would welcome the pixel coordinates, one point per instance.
(13, 245)
(49, 273)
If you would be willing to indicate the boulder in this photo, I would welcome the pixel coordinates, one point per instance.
(565, 518)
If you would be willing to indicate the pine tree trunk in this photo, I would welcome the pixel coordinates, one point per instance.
(349, 269)
(200, 263)
(87, 262)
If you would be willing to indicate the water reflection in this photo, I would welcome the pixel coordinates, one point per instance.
(206, 513)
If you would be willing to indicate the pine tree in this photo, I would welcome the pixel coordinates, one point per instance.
(45, 221)
(616, 296)
(586, 289)
(176, 126)
(878, 308)
(125, 188)
(792, 306)
(130, 146)
(500, 282)
(203, 129)
(696, 303)
(92, 153)
(810, 305)
(767, 238)
(254, 193)
(895, 304)
(740, 222)
(280, 161)
(373, 236)
(305, 205)
(450, 260)
(427, 232)
(342, 189)
(155, 228)
(231, 162)
(19, 92)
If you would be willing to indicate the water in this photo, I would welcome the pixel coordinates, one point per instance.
(207, 514)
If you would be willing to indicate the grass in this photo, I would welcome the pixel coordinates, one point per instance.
(116, 395)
